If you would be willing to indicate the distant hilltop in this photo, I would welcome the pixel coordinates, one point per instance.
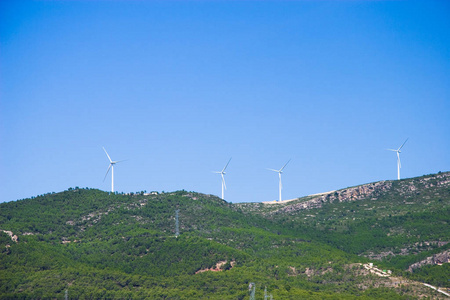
(87, 243)
(367, 190)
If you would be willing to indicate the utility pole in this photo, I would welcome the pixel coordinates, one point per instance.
(266, 296)
(251, 288)
(177, 227)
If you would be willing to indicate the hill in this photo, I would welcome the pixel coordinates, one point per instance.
(98, 245)
(377, 220)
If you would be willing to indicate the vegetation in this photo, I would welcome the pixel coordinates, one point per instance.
(93, 244)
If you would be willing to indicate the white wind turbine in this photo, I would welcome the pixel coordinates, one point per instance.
(279, 176)
(399, 165)
(222, 173)
(111, 166)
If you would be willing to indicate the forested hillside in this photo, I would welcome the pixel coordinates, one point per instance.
(396, 223)
(92, 244)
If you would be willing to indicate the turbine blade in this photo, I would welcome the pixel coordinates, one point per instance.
(403, 144)
(118, 161)
(226, 164)
(107, 171)
(392, 150)
(107, 154)
(285, 165)
(272, 170)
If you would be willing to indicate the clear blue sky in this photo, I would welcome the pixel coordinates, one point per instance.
(179, 87)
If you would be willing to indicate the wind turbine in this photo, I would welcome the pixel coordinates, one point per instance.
(111, 166)
(399, 165)
(279, 176)
(222, 173)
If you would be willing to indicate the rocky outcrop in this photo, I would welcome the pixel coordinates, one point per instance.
(218, 268)
(417, 185)
(405, 188)
(409, 249)
(437, 259)
(11, 235)
(371, 190)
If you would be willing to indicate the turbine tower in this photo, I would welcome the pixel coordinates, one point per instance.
(399, 165)
(222, 173)
(111, 166)
(279, 176)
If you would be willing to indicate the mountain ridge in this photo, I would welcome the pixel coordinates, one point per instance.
(311, 247)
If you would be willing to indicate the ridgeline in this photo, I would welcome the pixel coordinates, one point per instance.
(86, 243)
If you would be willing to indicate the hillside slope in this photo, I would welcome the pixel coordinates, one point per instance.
(399, 223)
(97, 245)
